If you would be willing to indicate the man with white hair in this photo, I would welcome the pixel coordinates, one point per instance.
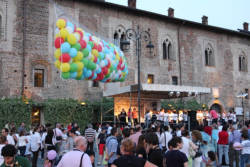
(76, 157)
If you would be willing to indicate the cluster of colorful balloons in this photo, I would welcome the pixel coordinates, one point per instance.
(80, 55)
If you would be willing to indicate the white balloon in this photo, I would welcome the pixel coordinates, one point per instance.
(102, 64)
(70, 30)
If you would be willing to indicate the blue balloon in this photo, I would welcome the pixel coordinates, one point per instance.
(95, 76)
(89, 48)
(98, 70)
(106, 62)
(65, 47)
(73, 75)
(69, 24)
(73, 52)
(88, 74)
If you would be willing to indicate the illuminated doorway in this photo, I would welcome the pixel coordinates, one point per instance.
(36, 116)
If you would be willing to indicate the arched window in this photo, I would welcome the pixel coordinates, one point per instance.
(119, 36)
(167, 50)
(242, 62)
(209, 56)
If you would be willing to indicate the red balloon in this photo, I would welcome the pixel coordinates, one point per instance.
(58, 42)
(95, 59)
(80, 32)
(90, 38)
(105, 70)
(100, 76)
(122, 68)
(95, 46)
(93, 73)
(64, 58)
(83, 44)
(109, 64)
(99, 48)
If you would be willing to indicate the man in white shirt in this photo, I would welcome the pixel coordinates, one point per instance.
(10, 139)
(35, 144)
(166, 137)
(58, 134)
(186, 142)
(77, 157)
(165, 118)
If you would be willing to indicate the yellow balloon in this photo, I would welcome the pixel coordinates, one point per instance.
(57, 53)
(71, 39)
(92, 58)
(79, 73)
(63, 33)
(117, 57)
(95, 52)
(57, 64)
(60, 23)
(80, 66)
(65, 67)
(78, 57)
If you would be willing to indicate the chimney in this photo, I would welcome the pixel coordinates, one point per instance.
(204, 20)
(245, 26)
(170, 12)
(132, 4)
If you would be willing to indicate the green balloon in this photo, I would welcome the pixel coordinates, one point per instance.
(91, 44)
(65, 75)
(85, 52)
(77, 46)
(78, 78)
(108, 75)
(122, 79)
(91, 65)
(85, 62)
(73, 67)
(111, 68)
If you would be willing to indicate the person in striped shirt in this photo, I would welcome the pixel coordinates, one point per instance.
(90, 136)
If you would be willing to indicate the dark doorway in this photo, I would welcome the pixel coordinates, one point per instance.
(216, 107)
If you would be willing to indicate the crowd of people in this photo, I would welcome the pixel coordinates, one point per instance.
(157, 143)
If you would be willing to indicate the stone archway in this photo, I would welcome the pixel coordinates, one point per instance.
(217, 107)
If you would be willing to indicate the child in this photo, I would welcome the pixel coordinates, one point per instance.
(210, 160)
(51, 157)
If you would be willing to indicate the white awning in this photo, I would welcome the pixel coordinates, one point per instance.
(158, 89)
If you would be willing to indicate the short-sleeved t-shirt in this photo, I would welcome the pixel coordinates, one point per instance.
(155, 156)
(102, 138)
(175, 158)
(141, 151)
(129, 160)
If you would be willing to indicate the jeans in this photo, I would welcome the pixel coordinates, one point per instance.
(22, 150)
(244, 159)
(34, 158)
(223, 149)
(234, 156)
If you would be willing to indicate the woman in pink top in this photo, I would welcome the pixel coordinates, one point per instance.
(214, 116)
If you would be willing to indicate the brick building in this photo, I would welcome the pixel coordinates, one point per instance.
(186, 53)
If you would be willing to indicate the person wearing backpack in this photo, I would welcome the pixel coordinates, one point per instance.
(77, 157)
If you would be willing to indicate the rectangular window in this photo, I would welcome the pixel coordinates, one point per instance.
(95, 84)
(39, 78)
(246, 91)
(174, 80)
(150, 79)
